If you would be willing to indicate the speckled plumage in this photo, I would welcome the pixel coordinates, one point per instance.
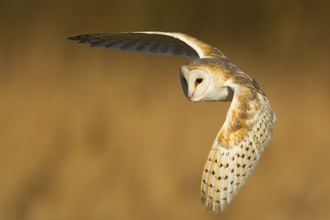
(211, 77)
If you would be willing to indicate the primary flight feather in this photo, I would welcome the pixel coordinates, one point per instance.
(210, 77)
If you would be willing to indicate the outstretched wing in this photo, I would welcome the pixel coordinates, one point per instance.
(237, 147)
(153, 42)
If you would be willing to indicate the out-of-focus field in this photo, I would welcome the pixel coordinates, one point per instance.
(91, 133)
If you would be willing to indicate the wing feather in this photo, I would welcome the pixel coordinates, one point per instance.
(238, 146)
(154, 42)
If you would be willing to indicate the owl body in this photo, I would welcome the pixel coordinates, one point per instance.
(211, 77)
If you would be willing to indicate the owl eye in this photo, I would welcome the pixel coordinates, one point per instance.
(199, 80)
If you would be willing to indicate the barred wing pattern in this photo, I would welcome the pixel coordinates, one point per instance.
(237, 149)
(154, 42)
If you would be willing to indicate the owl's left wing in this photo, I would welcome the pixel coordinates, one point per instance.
(151, 41)
(237, 147)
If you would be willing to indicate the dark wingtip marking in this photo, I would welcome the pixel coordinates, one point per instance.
(74, 38)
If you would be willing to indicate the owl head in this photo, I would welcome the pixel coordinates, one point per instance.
(203, 82)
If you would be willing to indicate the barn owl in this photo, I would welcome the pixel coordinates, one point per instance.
(210, 77)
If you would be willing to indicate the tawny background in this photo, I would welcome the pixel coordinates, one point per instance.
(91, 133)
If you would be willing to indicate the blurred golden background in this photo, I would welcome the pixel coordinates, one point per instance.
(91, 133)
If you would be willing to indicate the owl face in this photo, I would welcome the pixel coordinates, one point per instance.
(195, 83)
(199, 85)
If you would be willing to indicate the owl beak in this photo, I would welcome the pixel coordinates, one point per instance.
(191, 97)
